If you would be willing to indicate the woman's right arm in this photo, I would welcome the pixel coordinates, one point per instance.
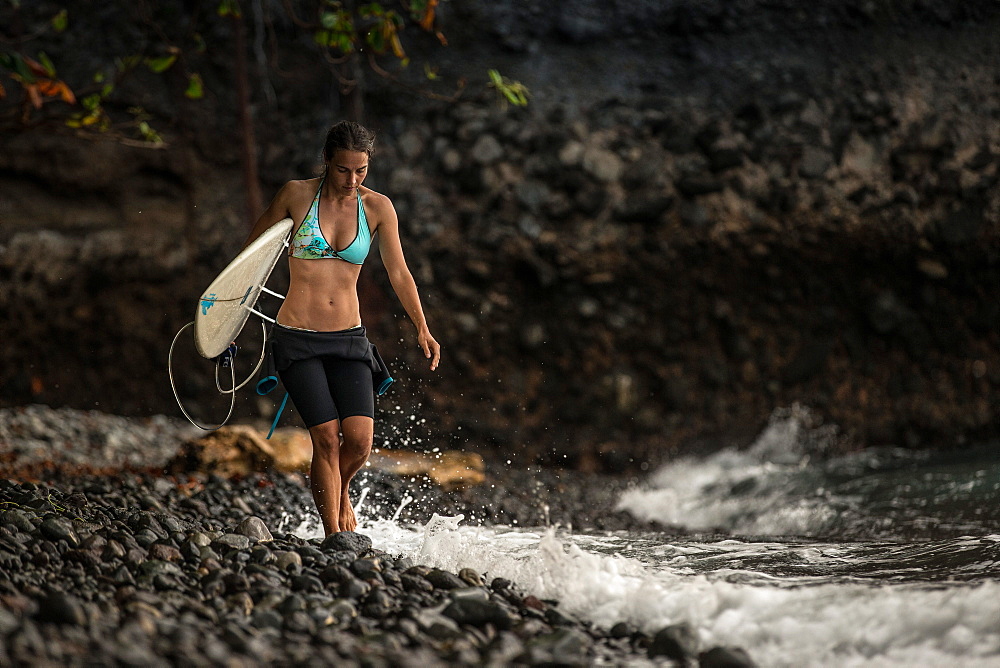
(276, 211)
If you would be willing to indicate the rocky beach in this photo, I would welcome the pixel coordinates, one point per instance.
(142, 568)
(720, 381)
(736, 207)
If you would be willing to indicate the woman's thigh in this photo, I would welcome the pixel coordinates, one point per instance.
(350, 383)
(308, 386)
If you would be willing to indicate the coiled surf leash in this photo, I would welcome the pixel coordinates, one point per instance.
(226, 360)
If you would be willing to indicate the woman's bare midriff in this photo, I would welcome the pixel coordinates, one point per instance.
(322, 295)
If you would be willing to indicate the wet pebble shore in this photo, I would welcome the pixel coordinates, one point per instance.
(149, 570)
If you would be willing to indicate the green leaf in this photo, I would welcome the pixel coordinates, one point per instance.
(91, 102)
(106, 89)
(60, 21)
(195, 89)
(98, 77)
(149, 134)
(19, 67)
(46, 62)
(161, 65)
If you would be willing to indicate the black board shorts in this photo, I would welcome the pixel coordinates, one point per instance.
(328, 375)
(328, 388)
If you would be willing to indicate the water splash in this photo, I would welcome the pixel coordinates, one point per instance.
(780, 620)
(788, 482)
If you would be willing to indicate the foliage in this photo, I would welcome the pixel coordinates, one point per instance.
(38, 80)
(376, 30)
(512, 92)
(86, 106)
(348, 33)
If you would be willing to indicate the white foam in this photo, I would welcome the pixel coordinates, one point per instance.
(698, 493)
(778, 622)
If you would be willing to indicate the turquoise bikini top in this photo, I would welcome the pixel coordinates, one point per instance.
(308, 242)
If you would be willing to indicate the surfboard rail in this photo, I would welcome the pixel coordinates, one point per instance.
(228, 301)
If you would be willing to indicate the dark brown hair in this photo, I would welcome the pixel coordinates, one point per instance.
(348, 136)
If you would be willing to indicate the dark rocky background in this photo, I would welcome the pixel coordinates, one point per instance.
(709, 210)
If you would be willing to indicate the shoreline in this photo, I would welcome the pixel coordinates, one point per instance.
(147, 570)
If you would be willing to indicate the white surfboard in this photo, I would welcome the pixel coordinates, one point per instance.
(226, 303)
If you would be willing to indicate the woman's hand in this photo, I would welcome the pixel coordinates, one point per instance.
(431, 348)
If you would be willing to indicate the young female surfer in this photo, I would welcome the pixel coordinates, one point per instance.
(320, 349)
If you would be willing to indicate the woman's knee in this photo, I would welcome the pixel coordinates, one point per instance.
(358, 438)
(357, 446)
(326, 439)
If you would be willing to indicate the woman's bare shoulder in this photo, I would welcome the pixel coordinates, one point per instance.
(297, 186)
(374, 201)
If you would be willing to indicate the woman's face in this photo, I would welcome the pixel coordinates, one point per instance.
(347, 169)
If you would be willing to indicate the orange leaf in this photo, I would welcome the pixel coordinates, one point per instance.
(33, 95)
(66, 94)
(3, 92)
(55, 88)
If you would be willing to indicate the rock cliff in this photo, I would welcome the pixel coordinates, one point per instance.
(708, 211)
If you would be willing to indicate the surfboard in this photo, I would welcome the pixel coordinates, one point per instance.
(226, 303)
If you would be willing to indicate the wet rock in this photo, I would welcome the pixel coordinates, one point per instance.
(365, 568)
(444, 580)
(377, 604)
(438, 626)
(254, 529)
(56, 528)
(471, 577)
(353, 588)
(155, 567)
(563, 645)
(145, 538)
(61, 608)
(725, 657)
(677, 642)
(164, 552)
(474, 608)
(18, 519)
(343, 611)
(265, 619)
(230, 541)
(416, 583)
(347, 541)
(289, 561)
(622, 630)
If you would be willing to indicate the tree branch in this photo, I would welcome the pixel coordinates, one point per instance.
(410, 87)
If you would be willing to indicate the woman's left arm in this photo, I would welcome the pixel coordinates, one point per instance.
(401, 279)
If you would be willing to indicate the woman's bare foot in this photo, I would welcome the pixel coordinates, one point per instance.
(348, 522)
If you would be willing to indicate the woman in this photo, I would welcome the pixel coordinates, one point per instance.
(320, 349)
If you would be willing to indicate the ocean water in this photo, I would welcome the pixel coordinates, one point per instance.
(882, 558)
